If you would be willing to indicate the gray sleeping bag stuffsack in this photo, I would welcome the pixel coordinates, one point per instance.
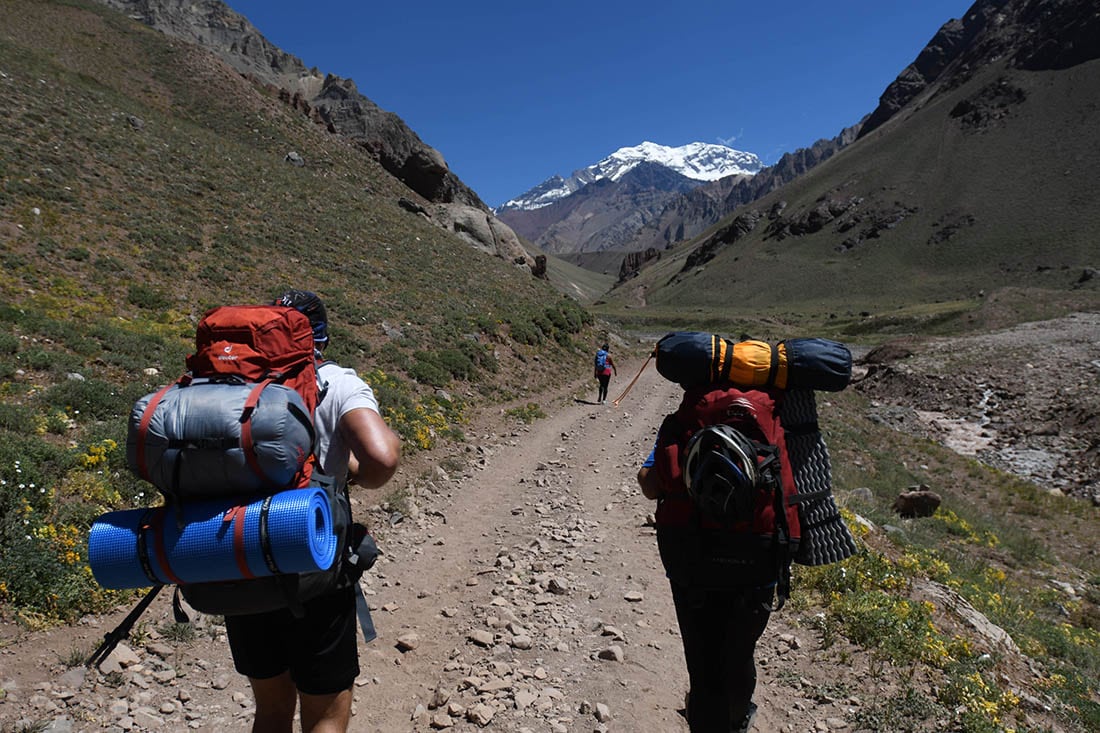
(205, 438)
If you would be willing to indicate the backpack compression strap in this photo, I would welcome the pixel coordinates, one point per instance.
(248, 447)
(153, 523)
(143, 429)
(235, 516)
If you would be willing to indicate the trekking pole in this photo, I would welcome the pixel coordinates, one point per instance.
(632, 381)
(112, 638)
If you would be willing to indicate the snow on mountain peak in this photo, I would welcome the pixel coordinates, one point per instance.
(699, 161)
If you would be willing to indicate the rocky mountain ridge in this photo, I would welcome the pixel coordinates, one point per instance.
(695, 161)
(1035, 36)
(931, 184)
(336, 104)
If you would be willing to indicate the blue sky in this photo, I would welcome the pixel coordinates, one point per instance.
(512, 93)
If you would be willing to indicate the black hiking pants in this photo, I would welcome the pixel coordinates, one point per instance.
(604, 379)
(720, 629)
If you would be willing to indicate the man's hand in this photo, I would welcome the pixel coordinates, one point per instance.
(650, 482)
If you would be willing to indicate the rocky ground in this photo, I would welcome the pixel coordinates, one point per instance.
(1025, 399)
(521, 589)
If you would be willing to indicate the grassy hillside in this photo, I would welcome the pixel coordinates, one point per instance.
(940, 212)
(1004, 545)
(577, 282)
(142, 182)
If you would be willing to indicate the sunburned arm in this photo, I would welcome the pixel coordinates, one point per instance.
(375, 448)
(650, 482)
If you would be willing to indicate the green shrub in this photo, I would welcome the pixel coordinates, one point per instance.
(526, 413)
(55, 362)
(93, 399)
(109, 265)
(29, 469)
(38, 359)
(525, 332)
(17, 419)
(907, 713)
(9, 343)
(44, 569)
(133, 351)
(426, 369)
(149, 298)
(456, 362)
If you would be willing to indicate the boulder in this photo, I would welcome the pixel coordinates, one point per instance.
(917, 503)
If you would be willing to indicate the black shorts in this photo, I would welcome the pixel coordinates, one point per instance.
(320, 649)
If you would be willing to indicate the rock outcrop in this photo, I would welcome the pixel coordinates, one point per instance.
(1037, 35)
(328, 100)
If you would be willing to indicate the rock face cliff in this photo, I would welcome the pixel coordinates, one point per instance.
(1035, 35)
(973, 173)
(336, 104)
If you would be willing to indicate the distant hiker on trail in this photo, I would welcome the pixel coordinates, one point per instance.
(314, 660)
(605, 366)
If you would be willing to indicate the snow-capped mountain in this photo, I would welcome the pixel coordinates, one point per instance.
(699, 161)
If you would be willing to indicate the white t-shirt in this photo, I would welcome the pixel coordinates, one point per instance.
(344, 392)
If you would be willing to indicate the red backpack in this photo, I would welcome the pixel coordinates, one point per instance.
(236, 428)
(724, 524)
(259, 343)
(242, 352)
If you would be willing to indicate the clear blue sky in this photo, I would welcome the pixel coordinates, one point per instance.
(512, 93)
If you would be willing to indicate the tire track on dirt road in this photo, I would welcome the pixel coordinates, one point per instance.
(535, 566)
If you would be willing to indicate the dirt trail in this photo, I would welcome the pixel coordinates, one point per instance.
(523, 592)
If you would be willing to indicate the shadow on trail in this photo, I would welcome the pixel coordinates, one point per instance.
(579, 401)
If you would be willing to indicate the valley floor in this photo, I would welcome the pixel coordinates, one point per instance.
(516, 575)
(520, 590)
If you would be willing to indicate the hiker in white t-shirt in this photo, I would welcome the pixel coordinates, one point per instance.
(314, 660)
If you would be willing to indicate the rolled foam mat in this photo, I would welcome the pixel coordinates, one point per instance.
(135, 548)
(825, 537)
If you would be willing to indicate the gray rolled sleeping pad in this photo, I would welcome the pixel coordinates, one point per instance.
(190, 444)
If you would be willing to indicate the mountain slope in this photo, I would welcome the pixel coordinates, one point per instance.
(143, 181)
(978, 183)
(336, 105)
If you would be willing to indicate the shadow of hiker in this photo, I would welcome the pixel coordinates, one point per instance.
(578, 400)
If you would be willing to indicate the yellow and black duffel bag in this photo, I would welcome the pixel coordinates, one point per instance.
(692, 358)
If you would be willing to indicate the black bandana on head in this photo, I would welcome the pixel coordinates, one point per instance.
(310, 305)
